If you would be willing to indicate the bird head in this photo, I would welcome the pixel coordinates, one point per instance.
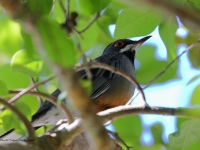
(125, 45)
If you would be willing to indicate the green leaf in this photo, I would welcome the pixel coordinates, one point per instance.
(196, 3)
(10, 37)
(196, 96)
(3, 88)
(30, 65)
(137, 21)
(193, 79)
(30, 48)
(89, 7)
(188, 135)
(167, 30)
(145, 73)
(157, 130)
(8, 119)
(129, 129)
(58, 13)
(60, 48)
(87, 85)
(62, 96)
(24, 109)
(40, 7)
(194, 55)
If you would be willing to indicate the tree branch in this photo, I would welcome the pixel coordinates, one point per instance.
(166, 68)
(94, 64)
(29, 128)
(51, 99)
(121, 111)
(32, 86)
(88, 26)
(185, 13)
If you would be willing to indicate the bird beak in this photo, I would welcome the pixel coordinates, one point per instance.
(141, 41)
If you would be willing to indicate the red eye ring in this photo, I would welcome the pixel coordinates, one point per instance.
(119, 43)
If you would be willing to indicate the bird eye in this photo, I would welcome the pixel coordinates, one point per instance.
(119, 44)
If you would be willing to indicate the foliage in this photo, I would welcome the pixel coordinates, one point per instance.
(65, 43)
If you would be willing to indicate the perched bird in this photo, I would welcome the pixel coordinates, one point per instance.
(108, 89)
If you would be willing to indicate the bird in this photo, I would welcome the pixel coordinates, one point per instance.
(108, 89)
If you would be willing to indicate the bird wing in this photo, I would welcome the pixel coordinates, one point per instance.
(100, 77)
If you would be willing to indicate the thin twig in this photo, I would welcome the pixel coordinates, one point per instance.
(68, 9)
(32, 86)
(116, 71)
(36, 89)
(118, 138)
(51, 99)
(88, 26)
(171, 63)
(20, 94)
(29, 128)
(166, 68)
(187, 13)
(62, 7)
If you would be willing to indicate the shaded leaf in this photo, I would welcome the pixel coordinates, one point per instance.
(196, 3)
(24, 109)
(3, 88)
(137, 21)
(40, 7)
(147, 71)
(167, 30)
(30, 65)
(89, 7)
(157, 130)
(60, 48)
(194, 55)
(129, 129)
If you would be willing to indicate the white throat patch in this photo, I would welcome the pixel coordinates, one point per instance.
(127, 47)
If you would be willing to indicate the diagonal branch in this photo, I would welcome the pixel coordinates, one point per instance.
(51, 99)
(166, 68)
(90, 24)
(171, 63)
(29, 128)
(116, 71)
(32, 86)
(21, 93)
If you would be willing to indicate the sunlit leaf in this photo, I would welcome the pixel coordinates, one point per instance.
(10, 37)
(196, 96)
(8, 119)
(3, 88)
(87, 85)
(30, 65)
